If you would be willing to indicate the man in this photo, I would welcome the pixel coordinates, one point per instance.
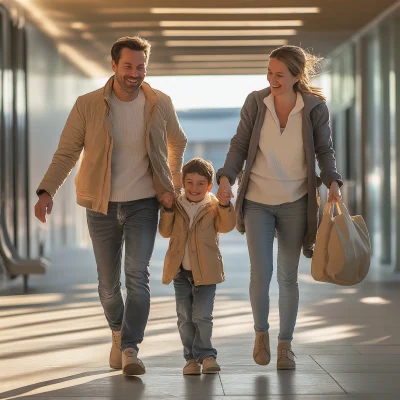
(133, 154)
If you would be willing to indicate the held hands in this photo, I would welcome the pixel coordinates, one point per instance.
(167, 199)
(43, 206)
(334, 193)
(224, 194)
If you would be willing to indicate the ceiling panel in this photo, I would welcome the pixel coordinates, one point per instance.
(246, 30)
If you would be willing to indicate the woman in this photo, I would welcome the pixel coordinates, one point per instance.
(282, 130)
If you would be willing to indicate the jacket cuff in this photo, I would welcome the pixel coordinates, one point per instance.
(224, 172)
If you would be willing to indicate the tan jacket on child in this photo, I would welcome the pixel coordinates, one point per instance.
(202, 237)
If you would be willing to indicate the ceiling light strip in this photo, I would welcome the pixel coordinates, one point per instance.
(193, 24)
(231, 32)
(211, 64)
(205, 10)
(209, 71)
(224, 43)
(220, 57)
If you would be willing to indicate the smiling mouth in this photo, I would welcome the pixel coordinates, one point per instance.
(132, 80)
(275, 87)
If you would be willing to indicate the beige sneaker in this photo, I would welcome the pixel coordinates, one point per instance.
(131, 364)
(285, 356)
(191, 368)
(115, 353)
(262, 352)
(210, 365)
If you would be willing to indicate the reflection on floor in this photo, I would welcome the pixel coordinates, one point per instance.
(54, 342)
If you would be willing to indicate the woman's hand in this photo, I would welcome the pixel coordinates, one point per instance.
(224, 194)
(334, 193)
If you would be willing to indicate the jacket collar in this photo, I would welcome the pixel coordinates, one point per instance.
(149, 93)
(269, 102)
(213, 203)
(310, 100)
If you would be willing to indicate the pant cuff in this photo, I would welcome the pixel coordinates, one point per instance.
(201, 358)
(129, 346)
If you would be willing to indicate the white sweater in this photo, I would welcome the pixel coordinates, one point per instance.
(279, 173)
(131, 176)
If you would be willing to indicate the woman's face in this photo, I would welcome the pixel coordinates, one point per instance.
(279, 77)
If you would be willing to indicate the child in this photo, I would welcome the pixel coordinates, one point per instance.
(193, 260)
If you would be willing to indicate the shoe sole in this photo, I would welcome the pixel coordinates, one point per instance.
(192, 373)
(285, 366)
(261, 363)
(212, 370)
(116, 366)
(133, 369)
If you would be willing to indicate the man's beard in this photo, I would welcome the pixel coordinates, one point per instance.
(129, 87)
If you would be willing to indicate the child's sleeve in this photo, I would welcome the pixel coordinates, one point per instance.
(226, 219)
(166, 223)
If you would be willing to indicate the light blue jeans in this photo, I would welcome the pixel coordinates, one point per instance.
(194, 307)
(290, 222)
(135, 224)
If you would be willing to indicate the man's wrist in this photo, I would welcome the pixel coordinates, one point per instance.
(41, 191)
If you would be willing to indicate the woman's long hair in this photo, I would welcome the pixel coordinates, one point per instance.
(301, 63)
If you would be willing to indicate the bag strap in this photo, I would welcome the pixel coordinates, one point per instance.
(341, 208)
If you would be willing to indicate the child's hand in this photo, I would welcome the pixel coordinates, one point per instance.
(167, 199)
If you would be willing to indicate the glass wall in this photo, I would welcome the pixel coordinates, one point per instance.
(365, 85)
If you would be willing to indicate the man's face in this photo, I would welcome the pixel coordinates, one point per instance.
(130, 70)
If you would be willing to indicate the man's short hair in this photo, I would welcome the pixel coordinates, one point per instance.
(130, 42)
(199, 166)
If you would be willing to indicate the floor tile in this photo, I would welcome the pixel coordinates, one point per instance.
(357, 359)
(369, 382)
(377, 349)
(282, 382)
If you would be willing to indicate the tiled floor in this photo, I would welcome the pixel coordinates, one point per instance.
(54, 342)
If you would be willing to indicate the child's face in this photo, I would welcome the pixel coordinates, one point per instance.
(196, 187)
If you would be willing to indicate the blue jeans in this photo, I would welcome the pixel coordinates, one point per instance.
(194, 306)
(290, 222)
(135, 224)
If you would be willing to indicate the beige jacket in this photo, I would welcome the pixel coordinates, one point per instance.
(89, 128)
(205, 257)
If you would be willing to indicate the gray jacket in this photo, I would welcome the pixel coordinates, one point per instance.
(317, 142)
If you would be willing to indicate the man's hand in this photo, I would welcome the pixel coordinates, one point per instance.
(334, 193)
(167, 199)
(224, 194)
(43, 206)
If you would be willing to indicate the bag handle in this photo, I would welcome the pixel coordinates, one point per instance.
(341, 208)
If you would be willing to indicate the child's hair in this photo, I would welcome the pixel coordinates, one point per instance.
(199, 166)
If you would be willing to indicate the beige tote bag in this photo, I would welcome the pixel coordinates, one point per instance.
(342, 251)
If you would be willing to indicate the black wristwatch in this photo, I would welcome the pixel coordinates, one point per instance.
(41, 191)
